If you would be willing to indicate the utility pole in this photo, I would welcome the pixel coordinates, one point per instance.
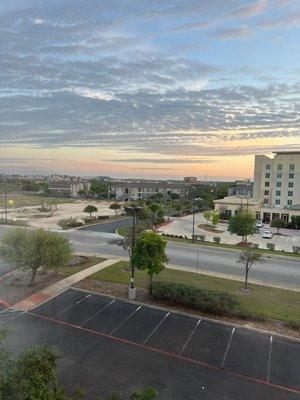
(194, 200)
(5, 199)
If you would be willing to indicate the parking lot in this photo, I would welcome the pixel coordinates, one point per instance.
(108, 227)
(198, 356)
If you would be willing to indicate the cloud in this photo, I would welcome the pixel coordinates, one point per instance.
(249, 10)
(285, 21)
(162, 160)
(232, 33)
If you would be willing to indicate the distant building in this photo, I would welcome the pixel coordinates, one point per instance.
(241, 188)
(125, 191)
(190, 180)
(67, 188)
(276, 190)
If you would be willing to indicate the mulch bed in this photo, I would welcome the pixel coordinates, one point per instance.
(121, 291)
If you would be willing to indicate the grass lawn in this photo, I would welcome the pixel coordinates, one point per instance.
(67, 270)
(271, 302)
(20, 201)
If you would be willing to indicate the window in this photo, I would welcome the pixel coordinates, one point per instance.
(266, 201)
(278, 192)
(267, 176)
(279, 175)
(289, 202)
(278, 184)
(268, 166)
(277, 201)
(267, 184)
(291, 175)
(291, 184)
(279, 167)
(292, 167)
(290, 193)
(267, 192)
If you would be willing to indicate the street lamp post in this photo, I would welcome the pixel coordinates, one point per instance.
(5, 199)
(132, 288)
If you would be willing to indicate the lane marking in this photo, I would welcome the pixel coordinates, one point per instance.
(71, 306)
(12, 318)
(155, 329)
(125, 320)
(166, 353)
(269, 359)
(190, 337)
(96, 313)
(227, 349)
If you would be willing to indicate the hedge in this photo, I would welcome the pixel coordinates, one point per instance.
(207, 300)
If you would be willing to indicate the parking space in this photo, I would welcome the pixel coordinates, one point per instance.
(248, 353)
(235, 350)
(209, 342)
(8, 314)
(285, 363)
(108, 227)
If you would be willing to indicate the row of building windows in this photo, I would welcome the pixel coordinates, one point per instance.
(277, 202)
(279, 175)
(278, 193)
(278, 184)
(279, 167)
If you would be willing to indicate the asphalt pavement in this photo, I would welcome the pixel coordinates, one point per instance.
(110, 345)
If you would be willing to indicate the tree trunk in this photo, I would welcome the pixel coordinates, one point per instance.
(90, 216)
(33, 275)
(246, 279)
(150, 284)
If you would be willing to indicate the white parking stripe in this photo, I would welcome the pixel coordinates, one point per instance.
(269, 359)
(71, 306)
(12, 318)
(190, 337)
(155, 329)
(98, 312)
(125, 320)
(227, 348)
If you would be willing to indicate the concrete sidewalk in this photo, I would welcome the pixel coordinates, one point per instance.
(37, 298)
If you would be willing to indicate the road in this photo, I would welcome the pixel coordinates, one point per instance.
(274, 271)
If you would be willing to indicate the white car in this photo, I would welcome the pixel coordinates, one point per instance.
(259, 224)
(267, 234)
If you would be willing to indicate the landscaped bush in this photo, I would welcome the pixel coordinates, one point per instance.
(295, 325)
(69, 223)
(103, 217)
(217, 239)
(207, 300)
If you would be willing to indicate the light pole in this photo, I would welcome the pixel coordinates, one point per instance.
(5, 200)
(132, 288)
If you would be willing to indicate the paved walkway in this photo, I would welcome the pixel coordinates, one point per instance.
(62, 285)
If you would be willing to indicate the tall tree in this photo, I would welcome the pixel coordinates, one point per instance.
(242, 224)
(34, 249)
(248, 258)
(149, 253)
(90, 210)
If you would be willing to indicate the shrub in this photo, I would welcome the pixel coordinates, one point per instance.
(271, 246)
(247, 315)
(69, 223)
(292, 324)
(101, 217)
(217, 239)
(207, 300)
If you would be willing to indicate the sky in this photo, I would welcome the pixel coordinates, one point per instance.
(148, 88)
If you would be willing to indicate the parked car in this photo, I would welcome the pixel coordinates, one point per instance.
(259, 224)
(267, 234)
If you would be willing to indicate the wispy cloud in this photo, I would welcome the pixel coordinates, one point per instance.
(249, 10)
(232, 33)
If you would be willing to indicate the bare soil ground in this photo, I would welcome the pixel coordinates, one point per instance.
(49, 219)
(120, 290)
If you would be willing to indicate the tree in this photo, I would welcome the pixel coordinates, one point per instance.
(248, 258)
(90, 209)
(278, 223)
(99, 189)
(115, 206)
(149, 253)
(34, 249)
(296, 221)
(207, 215)
(242, 224)
(215, 217)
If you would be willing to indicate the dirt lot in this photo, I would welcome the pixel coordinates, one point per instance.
(49, 219)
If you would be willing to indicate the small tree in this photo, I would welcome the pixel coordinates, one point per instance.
(207, 215)
(149, 254)
(242, 224)
(34, 249)
(249, 257)
(115, 207)
(215, 217)
(90, 210)
(278, 223)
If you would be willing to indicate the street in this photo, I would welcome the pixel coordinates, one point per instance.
(274, 271)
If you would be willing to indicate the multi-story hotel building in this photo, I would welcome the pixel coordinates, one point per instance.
(276, 191)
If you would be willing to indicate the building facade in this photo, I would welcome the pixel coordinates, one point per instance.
(67, 188)
(276, 190)
(124, 191)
